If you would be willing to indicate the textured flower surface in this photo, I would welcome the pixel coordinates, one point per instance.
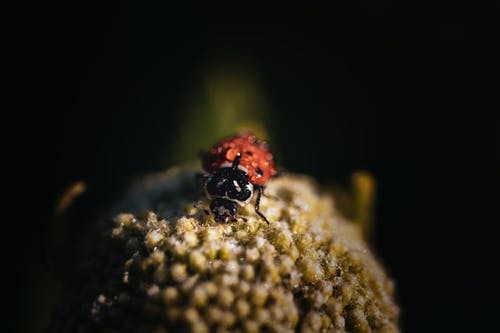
(163, 265)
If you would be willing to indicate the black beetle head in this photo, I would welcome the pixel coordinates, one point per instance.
(223, 209)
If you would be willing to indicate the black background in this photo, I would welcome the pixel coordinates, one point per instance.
(402, 91)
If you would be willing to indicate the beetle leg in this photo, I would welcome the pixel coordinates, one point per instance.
(257, 203)
(201, 178)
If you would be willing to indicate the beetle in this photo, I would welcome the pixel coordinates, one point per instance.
(235, 168)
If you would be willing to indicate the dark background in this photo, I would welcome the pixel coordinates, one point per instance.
(401, 91)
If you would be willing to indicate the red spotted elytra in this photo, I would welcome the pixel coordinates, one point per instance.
(234, 169)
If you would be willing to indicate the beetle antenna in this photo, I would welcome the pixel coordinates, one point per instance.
(236, 161)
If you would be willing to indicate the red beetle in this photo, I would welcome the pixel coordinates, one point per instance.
(235, 167)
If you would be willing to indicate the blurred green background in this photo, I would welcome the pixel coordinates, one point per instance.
(114, 91)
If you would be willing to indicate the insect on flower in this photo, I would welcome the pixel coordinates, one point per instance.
(234, 169)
